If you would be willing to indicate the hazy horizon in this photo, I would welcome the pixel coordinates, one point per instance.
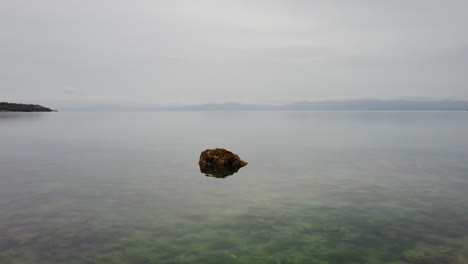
(365, 104)
(264, 52)
(285, 102)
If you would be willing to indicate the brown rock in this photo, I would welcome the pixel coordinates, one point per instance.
(220, 162)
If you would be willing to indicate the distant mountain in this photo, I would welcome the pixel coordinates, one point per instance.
(11, 107)
(345, 105)
(227, 107)
(379, 105)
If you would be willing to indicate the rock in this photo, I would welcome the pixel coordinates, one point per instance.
(220, 158)
(426, 256)
(219, 163)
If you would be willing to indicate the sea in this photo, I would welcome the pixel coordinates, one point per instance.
(320, 188)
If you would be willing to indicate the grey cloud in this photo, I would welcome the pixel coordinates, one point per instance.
(181, 51)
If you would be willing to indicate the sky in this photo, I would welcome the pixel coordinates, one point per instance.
(173, 52)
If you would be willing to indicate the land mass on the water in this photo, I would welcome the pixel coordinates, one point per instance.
(331, 105)
(12, 107)
(346, 105)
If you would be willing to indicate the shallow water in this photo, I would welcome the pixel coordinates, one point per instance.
(320, 187)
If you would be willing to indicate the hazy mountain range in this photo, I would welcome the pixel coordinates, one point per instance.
(345, 105)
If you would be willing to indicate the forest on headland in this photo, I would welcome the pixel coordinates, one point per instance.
(12, 107)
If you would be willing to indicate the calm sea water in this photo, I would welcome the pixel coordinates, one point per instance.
(320, 188)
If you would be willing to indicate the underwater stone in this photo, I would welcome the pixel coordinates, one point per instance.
(220, 162)
(418, 256)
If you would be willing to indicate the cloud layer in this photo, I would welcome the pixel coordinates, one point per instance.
(256, 51)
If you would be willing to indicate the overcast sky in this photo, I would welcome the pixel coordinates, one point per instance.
(252, 51)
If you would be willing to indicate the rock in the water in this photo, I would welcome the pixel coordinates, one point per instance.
(431, 256)
(220, 162)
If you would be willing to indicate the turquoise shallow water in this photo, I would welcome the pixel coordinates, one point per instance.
(320, 187)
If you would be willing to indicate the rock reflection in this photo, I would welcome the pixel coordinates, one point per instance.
(217, 172)
(20, 116)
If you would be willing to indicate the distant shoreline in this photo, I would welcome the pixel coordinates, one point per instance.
(14, 107)
(345, 105)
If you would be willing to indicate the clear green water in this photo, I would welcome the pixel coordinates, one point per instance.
(320, 187)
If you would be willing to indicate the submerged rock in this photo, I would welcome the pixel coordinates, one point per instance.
(430, 256)
(219, 163)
